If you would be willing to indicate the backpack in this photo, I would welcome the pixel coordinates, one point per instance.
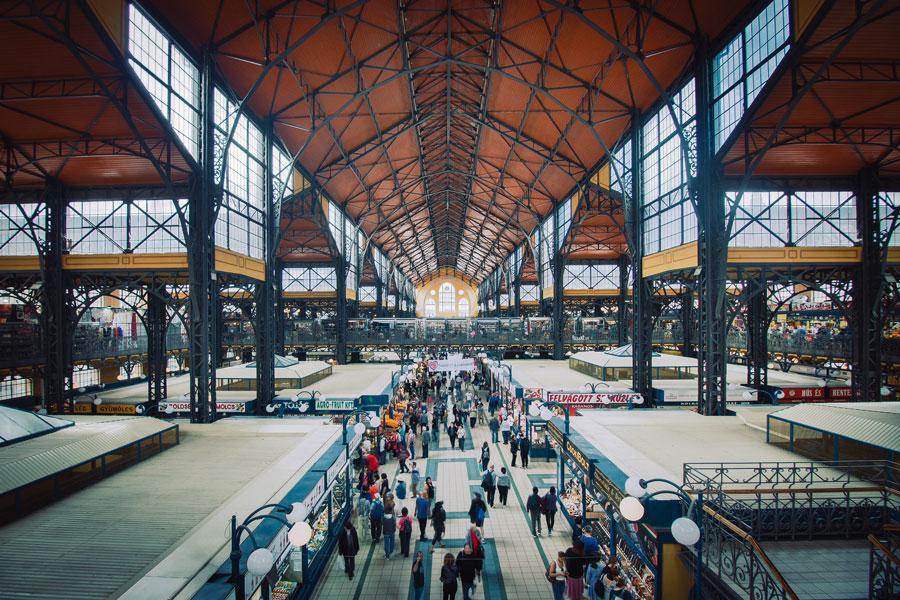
(487, 481)
(485, 453)
(479, 516)
(404, 522)
(547, 573)
(543, 504)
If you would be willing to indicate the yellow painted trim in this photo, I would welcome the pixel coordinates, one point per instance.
(601, 178)
(299, 181)
(351, 294)
(111, 14)
(548, 292)
(9, 264)
(674, 259)
(804, 255)
(893, 255)
(310, 295)
(171, 261)
(590, 292)
(238, 264)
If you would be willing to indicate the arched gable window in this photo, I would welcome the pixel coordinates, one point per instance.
(463, 310)
(430, 308)
(445, 295)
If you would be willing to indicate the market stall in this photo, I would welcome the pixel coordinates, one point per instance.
(590, 487)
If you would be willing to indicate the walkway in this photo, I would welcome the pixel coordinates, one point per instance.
(515, 562)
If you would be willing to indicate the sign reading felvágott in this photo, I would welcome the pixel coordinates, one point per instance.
(579, 399)
(455, 364)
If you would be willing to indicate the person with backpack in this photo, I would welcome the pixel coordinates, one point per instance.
(376, 514)
(503, 482)
(422, 510)
(449, 573)
(533, 506)
(400, 490)
(489, 484)
(524, 447)
(414, 479)
(390, 531)
(470, 565)
(405, 527)
(549, 508)
(438, 522)
(514, 450)
(477, 511)
(485, 456)
(556, 575)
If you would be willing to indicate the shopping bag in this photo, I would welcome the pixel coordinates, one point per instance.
(339, 563)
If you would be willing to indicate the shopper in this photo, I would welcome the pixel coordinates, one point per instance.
(503, 485)
(550, 507)
(348, 546)
(426, 440)
(591, 544)
(389, 526)
(485, 456)
(411, 442)
(376, 515)
(405, 527)
(505, 428)
(470, 565)
(402, 455)
(461, 438)
(575, 560)
(414, 478)
(422, 514)
(533, 506)
(385, 485)
(593, 577)
(557, 576)
(489, 484)
(418, 571)
(438, 522)
(494, 426)
(449, 573)
(577, 529)
(514, 450)
(429, 491)
(363, 506)
(451, 433)
(478, 511)
(524, 448)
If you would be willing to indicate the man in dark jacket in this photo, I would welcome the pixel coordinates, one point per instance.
(524, 447)
(494, 426)
(438, 520)
(514, 449)
(348, 546)
(469, 564)
(533, 506)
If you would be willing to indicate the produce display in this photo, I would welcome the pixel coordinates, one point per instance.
(284, 590)
(320, 533)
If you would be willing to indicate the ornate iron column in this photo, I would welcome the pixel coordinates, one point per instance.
(57, 313)
(868, 287)
(279, 306)
(757, 333)
(622, 303)
(642, 312)
(687, 322)
(265, 290)
(157, 326)
(340, 326)
(517, 297)
(559, 316)
(712, 252)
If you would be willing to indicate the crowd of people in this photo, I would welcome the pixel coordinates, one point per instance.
(421, 409)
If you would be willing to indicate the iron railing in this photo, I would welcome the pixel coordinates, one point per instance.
(846, 473)
(884, 566)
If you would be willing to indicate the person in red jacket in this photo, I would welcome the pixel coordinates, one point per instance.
(373, 462)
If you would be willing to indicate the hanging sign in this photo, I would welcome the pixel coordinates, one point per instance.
(579, 399)
(335, 405)
(457, 364)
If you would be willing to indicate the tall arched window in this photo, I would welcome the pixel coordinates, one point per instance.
(463, 307)
(446, 297)
(430, 308)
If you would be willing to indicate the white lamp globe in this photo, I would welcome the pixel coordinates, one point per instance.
(631, 508)
(169, 409)
(299, 534)
(373, 415)
(260, 561)
(304, 407)
(685, 531)
(885, 391)
(546, 414)
(584, 389)
(605, 400)
(297, 513)
(533, 409)
(779, 394)
(638, 400)
(321, 397)
(359, 428)
(139, 409)
(634, 488)
(97, 401)
(821, 383)
(270, 408)
(374, 422)
(732, 386)
(747, 396)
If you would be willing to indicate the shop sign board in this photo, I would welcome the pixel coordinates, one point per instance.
(584, 400)
(277, 547)
(458, 364)
(603, 486)
(533, 393)
(801, 394)
(579, 457)
(555, 433)
(335, 405)
(841, 392)
(315, 494)
(335, 470)
(235, 406)
(108, 409)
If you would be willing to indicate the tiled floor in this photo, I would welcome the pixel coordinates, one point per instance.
(822, 569)
(515, 561)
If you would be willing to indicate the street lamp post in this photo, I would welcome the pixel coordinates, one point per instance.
(360, 427)
(141, 409)
(278, 403)
(592, 387)
(261, 559)
(686, 530)
(542, 409)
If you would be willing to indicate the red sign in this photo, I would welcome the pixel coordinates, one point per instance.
(594, 399)
(841, 392)
(802, 394)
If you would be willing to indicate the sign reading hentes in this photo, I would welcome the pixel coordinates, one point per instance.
(580, 399)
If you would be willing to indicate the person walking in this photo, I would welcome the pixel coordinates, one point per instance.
(524, 447)
(533, 506)
(550, 507)
(429, 491)
(422, 514)
(363, 506)
(385, 485)
(426, 440)
(494, 426)
(438, 522)
(414, 479)
(405, 527)
(376, 515)
(451, 433)
(449, 574)
(503, 485)
(485, 456)
(461, 437)
(478, 511)
(418, 576)
(592, 576)
(514, 450)
(557, 576)
(489, 484)
(389, 527)
(470, 565)
(411, 442)
(505, 428)
(348, 547)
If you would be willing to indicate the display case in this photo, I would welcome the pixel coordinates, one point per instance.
(320, 532)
